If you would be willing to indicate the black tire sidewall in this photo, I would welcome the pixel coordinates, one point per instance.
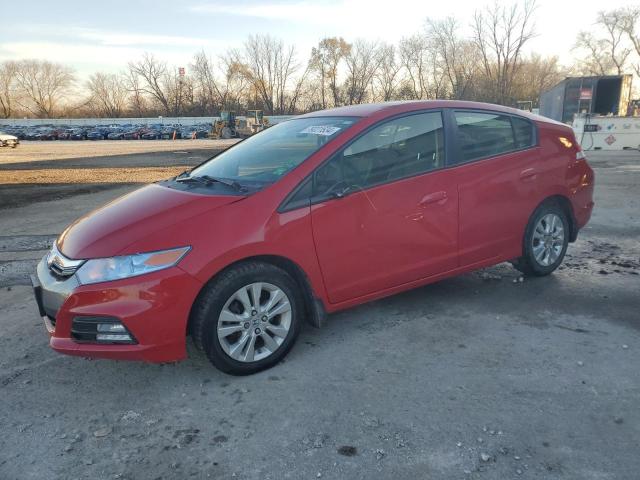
(222, 292)
(533, 264)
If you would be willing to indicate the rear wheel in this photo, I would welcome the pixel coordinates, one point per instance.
(545, 241)
(248, 318)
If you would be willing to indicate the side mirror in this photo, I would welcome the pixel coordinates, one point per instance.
(342, 191)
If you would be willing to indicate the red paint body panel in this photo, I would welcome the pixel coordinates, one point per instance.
(365, 246)
(154, 308)
(387, 235)
(109, 230)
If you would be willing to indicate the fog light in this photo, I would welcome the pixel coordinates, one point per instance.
(113, 337)
(111, 327)
(100, 330)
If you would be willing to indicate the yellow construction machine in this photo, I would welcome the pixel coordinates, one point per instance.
(228, 126)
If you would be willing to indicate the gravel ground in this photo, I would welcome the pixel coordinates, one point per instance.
(482, 376)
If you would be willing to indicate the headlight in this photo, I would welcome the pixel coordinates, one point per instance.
(116, 268)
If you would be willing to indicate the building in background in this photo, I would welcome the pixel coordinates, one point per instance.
(603, 95)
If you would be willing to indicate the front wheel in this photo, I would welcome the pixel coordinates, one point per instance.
(545, 241)
(248, 318)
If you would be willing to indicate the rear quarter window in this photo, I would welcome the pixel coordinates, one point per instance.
(483, 134)
(523, 131)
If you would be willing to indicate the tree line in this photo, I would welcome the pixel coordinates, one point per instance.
(265, 73)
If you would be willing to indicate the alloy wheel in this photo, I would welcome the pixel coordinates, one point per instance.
(254, 322)
(548, 239)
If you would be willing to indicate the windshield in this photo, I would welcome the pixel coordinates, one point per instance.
(264, 158)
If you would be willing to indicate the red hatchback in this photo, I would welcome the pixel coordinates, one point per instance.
(317, 214)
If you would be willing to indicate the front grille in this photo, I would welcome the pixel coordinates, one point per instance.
(62, 271)
(60, 265)
(107, 330)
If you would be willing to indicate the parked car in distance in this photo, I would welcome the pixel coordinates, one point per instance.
(78, 134)
(7, 140)
(117, 134)
(316, 214)
(98, 134)
(170, 133)
(194, 133)
(132, 134)
(64, 133)
(151, 135)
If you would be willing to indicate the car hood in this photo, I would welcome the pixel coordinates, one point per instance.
(6, 136)
(110, 230)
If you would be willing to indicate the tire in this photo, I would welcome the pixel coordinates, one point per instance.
(546, 240)
(221, 301)
(226, 133)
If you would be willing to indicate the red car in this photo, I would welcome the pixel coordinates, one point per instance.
(313, 215)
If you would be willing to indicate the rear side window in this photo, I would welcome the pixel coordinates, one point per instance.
(483, 134)
(523, 130)
(396, 149)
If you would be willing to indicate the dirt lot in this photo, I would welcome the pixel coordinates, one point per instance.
(475, 377)
(41, 171)
(60, 150)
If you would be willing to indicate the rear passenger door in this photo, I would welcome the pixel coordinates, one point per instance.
(497, 162)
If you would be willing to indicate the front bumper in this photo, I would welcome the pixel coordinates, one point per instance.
(153, 307)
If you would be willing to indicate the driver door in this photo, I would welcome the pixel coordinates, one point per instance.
(385, 211)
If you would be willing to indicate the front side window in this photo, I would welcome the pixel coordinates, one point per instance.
(483, 134)
(265, 158)
(399, 148)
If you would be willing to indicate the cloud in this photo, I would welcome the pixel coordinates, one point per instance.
(115, 38)
(364, 18)
(86, 58)
(89, 49)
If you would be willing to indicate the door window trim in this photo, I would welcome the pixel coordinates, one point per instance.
(455, 144)
(313, 200)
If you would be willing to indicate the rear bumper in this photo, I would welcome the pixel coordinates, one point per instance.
(583, 214)
(154, 308)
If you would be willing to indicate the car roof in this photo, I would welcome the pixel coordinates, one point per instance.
(397, 107)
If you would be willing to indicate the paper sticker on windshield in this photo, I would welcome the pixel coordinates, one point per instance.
(326, 130)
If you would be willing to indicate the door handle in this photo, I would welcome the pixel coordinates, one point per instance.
(436, 197)
(528, 174)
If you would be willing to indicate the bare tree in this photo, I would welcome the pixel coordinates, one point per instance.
(42, 86)
(413, 56)
(209, 91)
(362, 63)
(536, 75)
(457, 58)
(500, 33)
(325, 61)
(596, 60)
(152, 73)
(8, 71)
(269, 66)
(607, 53)
(138, 104)
(298, 90)
(387, 75)
(629, 24)
(108, 94)
(178, 90)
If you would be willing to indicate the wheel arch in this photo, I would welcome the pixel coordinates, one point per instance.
(563, 202)
(315, 312)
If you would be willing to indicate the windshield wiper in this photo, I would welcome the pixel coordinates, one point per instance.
(208, 180)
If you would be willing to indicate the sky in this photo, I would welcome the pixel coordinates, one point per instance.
(103, 36)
